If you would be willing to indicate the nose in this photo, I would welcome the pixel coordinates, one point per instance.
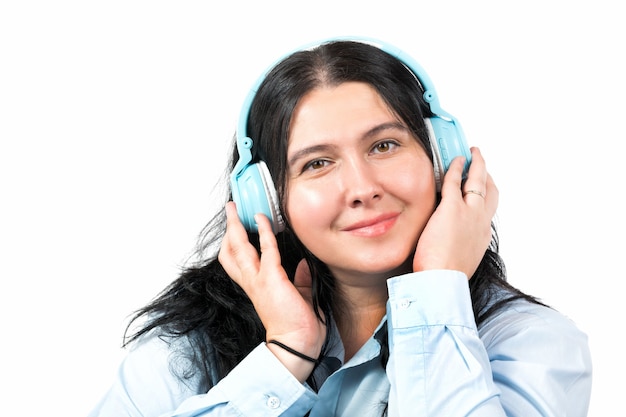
(361, 183)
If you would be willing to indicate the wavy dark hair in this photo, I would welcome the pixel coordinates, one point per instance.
(210, 310)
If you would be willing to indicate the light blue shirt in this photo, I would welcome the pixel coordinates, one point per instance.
(527, 360)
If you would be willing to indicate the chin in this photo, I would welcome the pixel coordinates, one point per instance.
(405, 268)
(389, 269)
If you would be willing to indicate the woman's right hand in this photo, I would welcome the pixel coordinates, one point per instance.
(285, 308)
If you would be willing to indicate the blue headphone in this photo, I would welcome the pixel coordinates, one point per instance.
(253, 189)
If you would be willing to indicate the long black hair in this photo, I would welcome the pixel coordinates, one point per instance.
(209, 309)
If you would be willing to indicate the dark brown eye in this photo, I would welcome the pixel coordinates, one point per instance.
(316, 164)
(384, 147)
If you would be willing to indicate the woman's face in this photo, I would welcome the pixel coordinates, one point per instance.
(360, 188)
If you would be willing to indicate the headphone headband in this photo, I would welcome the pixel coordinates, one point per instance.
(429, 95)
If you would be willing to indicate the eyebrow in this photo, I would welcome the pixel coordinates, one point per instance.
(324, 147)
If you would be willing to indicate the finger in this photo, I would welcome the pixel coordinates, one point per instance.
(477, 167)
(475, 187)
(233, 223)
(492, 195)
(225, 247)
(238, 257)
(302, 279)
(267, 241)
(452, 180)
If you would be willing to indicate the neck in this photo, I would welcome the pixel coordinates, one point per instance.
(362, 301)
(361, 311)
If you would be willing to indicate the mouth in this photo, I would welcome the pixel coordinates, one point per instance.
(373, 227)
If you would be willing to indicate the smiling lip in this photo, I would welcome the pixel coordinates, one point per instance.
(374, 227)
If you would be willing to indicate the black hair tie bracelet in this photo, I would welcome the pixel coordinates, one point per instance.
(294, 352)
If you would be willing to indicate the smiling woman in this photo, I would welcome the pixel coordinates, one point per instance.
(367, 283)
(361, 186)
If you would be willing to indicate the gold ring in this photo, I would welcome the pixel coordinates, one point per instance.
(474, 192)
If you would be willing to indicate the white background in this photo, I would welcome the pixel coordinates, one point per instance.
(115, 120)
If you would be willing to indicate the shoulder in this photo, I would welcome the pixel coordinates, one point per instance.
(521, 317)
(151, 379)
(540, 337)
(164, 362)
(539, 354)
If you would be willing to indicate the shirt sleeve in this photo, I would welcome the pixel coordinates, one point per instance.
(439, 365)
(259, 386)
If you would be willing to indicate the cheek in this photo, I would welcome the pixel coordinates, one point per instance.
(413, 181)
(306, 207)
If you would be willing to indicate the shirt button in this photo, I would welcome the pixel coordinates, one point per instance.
(404, 304)
(273, 402)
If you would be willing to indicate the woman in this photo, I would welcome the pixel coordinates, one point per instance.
(381, 292)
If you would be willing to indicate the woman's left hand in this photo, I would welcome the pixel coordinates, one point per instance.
(459, 231)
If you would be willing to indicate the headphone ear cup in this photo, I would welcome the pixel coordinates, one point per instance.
(447, 141)
(254, 192)
(273, 205)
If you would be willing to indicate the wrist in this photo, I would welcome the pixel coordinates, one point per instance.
(298, 363)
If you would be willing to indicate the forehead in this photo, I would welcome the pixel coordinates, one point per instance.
(339, 110)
